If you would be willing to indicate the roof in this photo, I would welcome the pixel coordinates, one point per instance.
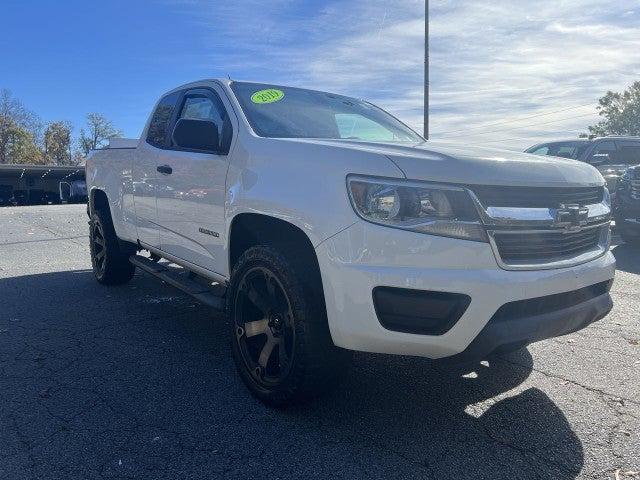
(593, 139)
(619, 137)
(58, 171)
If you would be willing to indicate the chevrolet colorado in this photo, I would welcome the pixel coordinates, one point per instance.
(321, 224)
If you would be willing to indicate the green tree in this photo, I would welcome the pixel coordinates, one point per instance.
(20, 146)
(20, 131)
(57, 143)
(98, 131)
(621, 112)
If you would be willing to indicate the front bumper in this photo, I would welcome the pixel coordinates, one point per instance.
(365, 256)
(518, 325)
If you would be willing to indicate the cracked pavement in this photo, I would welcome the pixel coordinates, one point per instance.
(138, 382)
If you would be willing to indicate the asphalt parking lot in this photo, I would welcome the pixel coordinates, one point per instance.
(137, 382)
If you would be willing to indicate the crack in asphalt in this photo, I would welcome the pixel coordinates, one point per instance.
(95, 376)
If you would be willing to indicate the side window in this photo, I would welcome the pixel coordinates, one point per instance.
(544, 150)
(159, 125)
(565, 151)
(208, 106)
(605, 152)
(629, 153)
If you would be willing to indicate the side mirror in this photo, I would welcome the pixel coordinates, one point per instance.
(599, 159)
(196, 135)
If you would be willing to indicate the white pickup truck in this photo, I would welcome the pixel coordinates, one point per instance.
(321, 224)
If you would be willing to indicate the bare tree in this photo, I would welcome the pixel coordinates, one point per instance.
(99, 130)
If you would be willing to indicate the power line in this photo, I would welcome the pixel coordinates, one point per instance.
(504, 122)
(532, 125)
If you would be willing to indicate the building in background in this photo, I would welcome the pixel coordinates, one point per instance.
(42, 184)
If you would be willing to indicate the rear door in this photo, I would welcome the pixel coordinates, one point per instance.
(191, 186)
(144, 173)
(628, 153)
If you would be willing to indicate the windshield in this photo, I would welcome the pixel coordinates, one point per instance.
(285, 112)
(573, 149)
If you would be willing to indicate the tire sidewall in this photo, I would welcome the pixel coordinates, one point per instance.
(117, 268)
(96, 219)
(270, 259)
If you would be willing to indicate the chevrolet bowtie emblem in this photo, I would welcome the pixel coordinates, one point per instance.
(571, 216)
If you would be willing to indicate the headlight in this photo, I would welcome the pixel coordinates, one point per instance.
(420, 207)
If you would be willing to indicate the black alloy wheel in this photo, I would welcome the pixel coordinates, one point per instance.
(264, 326)
(98, 247)
(110, 262)
(281, 342)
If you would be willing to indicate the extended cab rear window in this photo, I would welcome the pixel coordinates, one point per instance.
(159, 125)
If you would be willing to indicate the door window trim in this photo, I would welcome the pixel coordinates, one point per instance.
(206, 92)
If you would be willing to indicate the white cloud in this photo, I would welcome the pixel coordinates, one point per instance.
(508, 73)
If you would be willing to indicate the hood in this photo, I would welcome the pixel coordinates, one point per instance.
(612, 170)
(455, 163)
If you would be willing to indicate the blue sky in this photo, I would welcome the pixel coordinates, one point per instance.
(504, 73)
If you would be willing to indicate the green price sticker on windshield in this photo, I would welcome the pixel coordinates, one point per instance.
(269, 95)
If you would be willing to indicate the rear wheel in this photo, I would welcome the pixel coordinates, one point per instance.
(110, 264)
(281, 342)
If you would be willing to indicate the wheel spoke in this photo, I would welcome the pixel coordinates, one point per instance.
(251, 329)
(266, 352)
(257, 298)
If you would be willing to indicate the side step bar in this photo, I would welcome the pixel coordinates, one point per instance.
(180, 279)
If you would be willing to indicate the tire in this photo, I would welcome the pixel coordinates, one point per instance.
(110, 264)
(281, 343)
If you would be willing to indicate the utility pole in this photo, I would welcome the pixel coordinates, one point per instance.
(426, 69)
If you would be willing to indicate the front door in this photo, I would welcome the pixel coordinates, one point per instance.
(191, 187)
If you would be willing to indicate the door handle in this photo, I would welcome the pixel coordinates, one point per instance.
(165, 169)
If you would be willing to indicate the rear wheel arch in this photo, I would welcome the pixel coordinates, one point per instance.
(98, 200)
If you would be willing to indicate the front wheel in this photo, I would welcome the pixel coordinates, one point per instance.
(281, 342)
(110, 264)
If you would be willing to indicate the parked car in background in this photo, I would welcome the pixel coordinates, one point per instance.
(611, 155)
(627, 210)
(73, 192)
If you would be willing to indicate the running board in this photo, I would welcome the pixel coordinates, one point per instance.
(180, 278)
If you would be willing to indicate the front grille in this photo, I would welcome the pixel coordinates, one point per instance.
(537, 197)
(543, 247)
